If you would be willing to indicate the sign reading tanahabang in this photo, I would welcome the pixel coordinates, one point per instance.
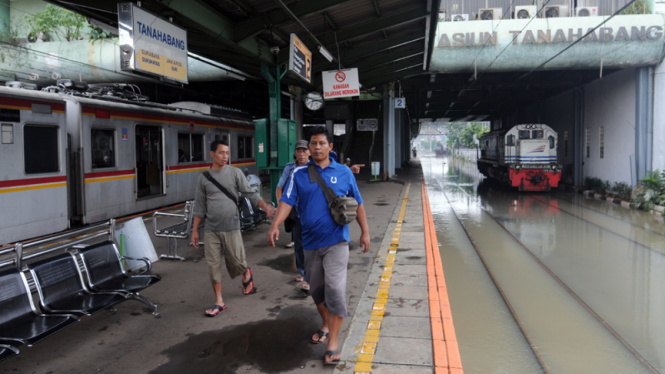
(603, 34)
(149, 44)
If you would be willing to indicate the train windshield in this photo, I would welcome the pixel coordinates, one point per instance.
(524, 134)
(537, 134)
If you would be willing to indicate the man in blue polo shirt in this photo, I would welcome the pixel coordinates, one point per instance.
(326, 243)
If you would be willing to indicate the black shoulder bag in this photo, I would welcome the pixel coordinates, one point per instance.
(221, 188)
(343, 209)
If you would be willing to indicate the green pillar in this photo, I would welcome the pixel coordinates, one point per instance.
(4, 17)
(278, 137)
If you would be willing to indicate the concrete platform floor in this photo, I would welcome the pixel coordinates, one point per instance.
(262, 333)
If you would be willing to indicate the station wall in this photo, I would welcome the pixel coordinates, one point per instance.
(658, 160)
(609, 108)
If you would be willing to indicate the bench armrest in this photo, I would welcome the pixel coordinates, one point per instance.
(147, 262)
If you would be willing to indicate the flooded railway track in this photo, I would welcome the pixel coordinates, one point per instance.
(564, 333)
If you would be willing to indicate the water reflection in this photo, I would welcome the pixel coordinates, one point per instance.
(612, 259)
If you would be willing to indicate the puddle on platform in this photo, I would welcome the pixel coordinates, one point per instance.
(282, 263)
(266, 345)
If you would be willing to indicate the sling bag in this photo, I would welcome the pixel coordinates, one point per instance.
(343, 209)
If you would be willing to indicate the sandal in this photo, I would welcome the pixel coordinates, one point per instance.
(290, 245)
(304, 287)
(330, 354)
(321, 334)
(246, 284)
(300, 278)
(216, 310)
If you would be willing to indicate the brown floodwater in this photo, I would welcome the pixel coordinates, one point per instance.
(547, 282)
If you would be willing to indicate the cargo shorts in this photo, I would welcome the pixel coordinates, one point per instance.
(224, 246)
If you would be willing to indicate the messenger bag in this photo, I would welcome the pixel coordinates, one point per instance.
(343, 209)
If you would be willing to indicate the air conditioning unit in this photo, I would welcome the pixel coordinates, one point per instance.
(586, 11)
(490, 13)
(443, 15)
(459, 17)
(555, 11)
(526, 11)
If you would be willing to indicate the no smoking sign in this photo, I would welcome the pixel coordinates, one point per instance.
(340, 83)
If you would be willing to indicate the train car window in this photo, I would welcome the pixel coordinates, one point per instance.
(40, 149)
(524, 134)
(537, 134)
(245, 147)
(197, 147)
(103, 148)
(190, 147)
(551, 139)
(510, 140)
(249, 147)
(184, 149)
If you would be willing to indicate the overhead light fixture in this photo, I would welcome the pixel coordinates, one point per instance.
(429, 94)
(426, 105)
(326, 54)
(432, 78)
(236, 76)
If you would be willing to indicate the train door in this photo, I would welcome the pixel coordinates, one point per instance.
(149, 161)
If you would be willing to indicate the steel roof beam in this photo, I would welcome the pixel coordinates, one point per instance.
(252, 26)
(371, 48)
(392, 77)
(387, 58)
(373, 26)
(368, 74)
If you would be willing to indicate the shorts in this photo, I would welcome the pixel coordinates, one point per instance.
(226, 244)
(326, 269)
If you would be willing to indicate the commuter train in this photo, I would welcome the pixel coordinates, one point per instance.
(438, 149)
(524, 157)
(71, 157)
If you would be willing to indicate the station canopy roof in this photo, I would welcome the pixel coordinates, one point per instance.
(385, 39)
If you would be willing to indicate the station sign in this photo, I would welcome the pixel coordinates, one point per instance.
(368, 124)
(340, 83)
(151, 45)
(300, 59)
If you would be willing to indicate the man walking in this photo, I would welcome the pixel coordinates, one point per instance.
(215, 193)
(301, 155)
(326, 243)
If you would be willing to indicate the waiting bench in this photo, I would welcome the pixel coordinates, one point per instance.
(66, 290)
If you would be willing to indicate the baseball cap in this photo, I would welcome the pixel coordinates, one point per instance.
(301, 144)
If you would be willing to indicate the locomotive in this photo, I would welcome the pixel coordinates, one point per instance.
(524, 157)
(74, 154)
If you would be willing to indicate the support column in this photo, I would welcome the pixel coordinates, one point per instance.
(389, 134)
(4, 17)
(643, 121)
(578, 138)
(272, 75)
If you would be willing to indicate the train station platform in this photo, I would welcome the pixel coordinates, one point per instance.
(399, 320)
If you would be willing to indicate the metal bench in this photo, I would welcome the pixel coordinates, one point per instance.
(181, 230)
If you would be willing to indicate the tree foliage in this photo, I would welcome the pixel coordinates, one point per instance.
(460, 134)
(56, 21)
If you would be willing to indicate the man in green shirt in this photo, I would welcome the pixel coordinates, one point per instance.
(222, 238)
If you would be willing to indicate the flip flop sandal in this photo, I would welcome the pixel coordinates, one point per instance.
(321, 334)
(290, 245)
(330, 354)
(246, 284)
(216, 309)
(304, 287)
(300, 278)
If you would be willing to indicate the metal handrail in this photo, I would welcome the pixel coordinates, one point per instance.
(19, 248)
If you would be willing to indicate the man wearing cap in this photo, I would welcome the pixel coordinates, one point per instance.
(301, 157)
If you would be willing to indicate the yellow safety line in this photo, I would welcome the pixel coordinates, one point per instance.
(368, 345)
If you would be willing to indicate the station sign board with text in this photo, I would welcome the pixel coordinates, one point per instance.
(340, 83)
(300, 59)
(151, 45)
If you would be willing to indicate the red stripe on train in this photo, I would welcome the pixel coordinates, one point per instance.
(242, 162)
(8, 101)
(109, 173)
(181, 167)
(32, 181)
